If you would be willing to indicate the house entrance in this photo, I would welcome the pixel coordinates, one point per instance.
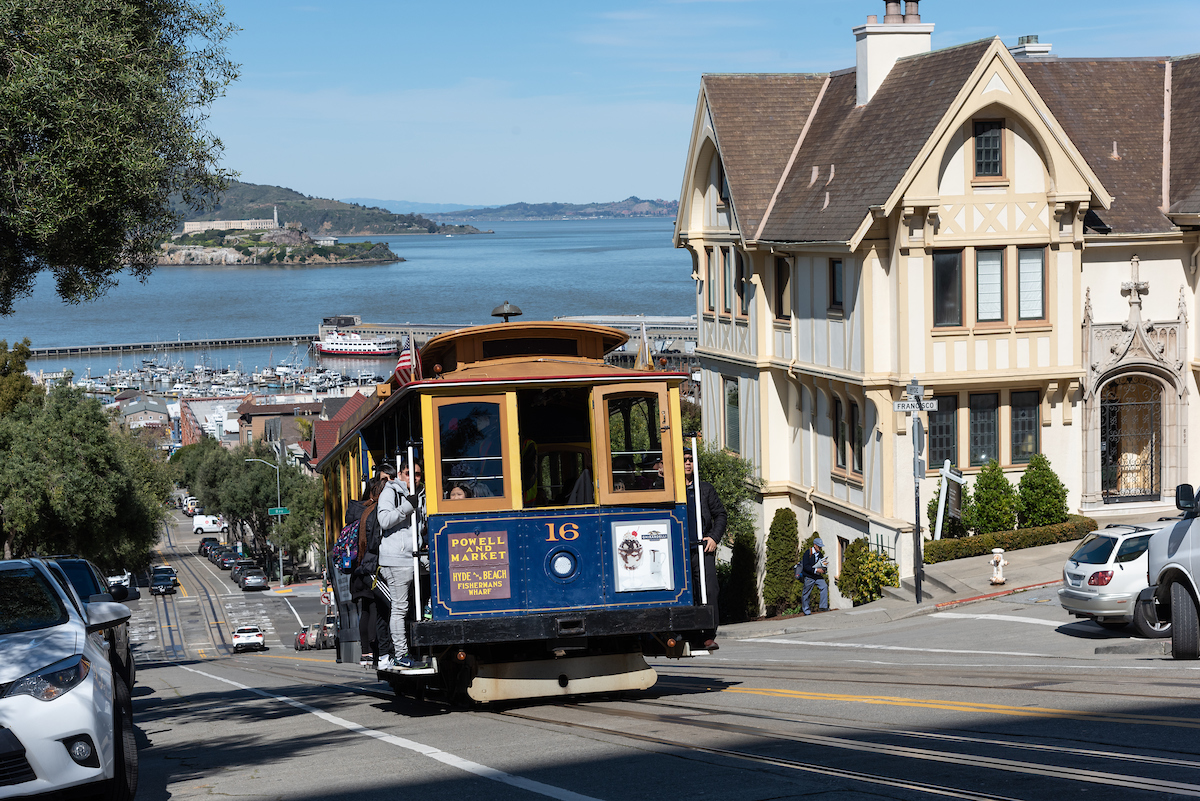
(1131, 440)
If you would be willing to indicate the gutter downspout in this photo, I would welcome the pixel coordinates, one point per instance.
(1195, 258)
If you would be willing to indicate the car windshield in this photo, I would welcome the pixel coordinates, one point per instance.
(1132, 548)
(28, 602)
(81, 578)
(1094, 550)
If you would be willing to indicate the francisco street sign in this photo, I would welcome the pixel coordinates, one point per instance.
(915, 406)
(277, 510)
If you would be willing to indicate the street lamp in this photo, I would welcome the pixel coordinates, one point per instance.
(278, 504)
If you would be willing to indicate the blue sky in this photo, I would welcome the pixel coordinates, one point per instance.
(499, 102)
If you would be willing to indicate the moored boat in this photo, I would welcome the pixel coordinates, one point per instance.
(349, 343)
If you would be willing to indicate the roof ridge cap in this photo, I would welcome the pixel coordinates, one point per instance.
(704, 75)
(988, 39)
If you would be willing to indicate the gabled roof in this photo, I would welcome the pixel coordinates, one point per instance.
(1185, 135)
(757, 119)
(1105, 103)
(861, 152)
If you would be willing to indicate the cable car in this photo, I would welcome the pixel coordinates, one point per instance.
(557, 537)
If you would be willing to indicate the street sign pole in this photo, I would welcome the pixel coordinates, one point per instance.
(915, 392)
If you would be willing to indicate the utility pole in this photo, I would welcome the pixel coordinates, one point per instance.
(278, 517)
(915, 405)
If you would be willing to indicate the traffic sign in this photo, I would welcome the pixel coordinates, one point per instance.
(277, 510)
(326, 600)
(915, 406)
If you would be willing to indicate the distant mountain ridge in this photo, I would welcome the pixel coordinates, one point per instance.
(632, 206)
(317, 215)
(409, 206)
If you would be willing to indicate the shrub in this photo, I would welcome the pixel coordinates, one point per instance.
(734, 480)
(996, 502)
(865, 573)
(1043, 496)
(1075, 527)
(779, 586)
(951, 529)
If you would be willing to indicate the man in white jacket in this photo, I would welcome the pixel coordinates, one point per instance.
(400, 512)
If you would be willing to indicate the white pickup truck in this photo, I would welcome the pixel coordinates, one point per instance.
(1173, 565)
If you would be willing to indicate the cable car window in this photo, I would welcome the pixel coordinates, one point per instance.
(635, 447)
(556, 446)
(472, 452)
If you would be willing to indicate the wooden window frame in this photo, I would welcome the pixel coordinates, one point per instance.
(726, 261)
(711, 279)
(783, 290)
(837, 288)
(1045, 316)
(1037, 425)
(602, 440)
(962, 301)
(857, 444)
(725, 383)
(508, 420)
(839, 434)
(1003, 134)
(1002, 319)
(996, 412)
(741, 279)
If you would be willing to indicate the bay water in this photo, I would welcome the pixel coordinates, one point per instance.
(548, 268)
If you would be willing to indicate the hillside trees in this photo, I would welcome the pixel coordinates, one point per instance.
(102, 118)
(74, 482)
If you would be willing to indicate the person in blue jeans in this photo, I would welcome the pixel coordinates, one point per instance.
(814, 568)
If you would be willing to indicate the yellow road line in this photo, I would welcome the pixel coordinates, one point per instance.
(970, 706)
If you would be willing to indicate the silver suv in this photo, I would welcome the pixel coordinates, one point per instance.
(1174, 561)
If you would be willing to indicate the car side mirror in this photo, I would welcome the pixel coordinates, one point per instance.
(119, 592)
(1185, 498)
(105, 614)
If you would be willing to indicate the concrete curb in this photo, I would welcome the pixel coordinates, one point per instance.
(1155, 647)
(1001, 593)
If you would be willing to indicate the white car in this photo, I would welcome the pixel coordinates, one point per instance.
(1103, 577)
(248, 637)
(66, 719)
(124, 579)
(209, 524)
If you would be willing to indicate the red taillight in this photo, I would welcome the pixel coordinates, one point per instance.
(1100, 578)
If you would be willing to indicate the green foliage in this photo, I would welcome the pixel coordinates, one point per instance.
(865, 573)
(690, 412)
(15, 386)
(73, 482)
(951, 529)
(1075, 527)
(736, 485)
(102, 115)
(1043, 498)
(779, 585)
(996, 502)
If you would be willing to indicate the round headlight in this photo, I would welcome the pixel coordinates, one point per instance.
(562, 564)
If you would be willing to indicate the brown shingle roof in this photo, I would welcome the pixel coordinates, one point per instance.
(869, 147)
(1099, 102)
(757, 120)
(1185, 135)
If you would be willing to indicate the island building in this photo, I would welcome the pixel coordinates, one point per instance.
(1017, 231)
(233, 225)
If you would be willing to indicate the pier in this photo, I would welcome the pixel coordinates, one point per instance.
(179, 344)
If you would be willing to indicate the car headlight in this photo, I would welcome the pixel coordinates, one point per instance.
(51, 682)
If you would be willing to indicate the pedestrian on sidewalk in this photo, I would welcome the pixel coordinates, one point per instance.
(704, 551)
(814, 568)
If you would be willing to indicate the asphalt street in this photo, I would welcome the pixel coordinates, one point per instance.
(1006, 698)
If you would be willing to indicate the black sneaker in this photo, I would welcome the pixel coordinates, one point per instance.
(406, 662)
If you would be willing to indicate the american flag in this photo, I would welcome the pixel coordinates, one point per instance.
(408, 367)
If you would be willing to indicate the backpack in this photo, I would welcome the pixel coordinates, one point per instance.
(345, 550)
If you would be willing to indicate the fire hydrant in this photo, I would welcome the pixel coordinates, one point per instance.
(998, 562)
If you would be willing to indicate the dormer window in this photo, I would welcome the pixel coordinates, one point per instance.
(989, 149)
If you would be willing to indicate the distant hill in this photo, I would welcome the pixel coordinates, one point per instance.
(409, 207)
(629, 207)
(320, 215)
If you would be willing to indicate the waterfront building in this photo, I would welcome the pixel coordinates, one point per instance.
(199, 226)
(1017, 231)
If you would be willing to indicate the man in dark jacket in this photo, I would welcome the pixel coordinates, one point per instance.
(713, 518)
(814, 568)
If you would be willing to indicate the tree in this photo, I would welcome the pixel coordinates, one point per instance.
(736, 485)
(14, 384)
(1042, 494)
(102, 121)
(783, 551)
(996, 501)
(951, 528)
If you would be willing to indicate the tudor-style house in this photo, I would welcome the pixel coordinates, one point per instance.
(1016, 231)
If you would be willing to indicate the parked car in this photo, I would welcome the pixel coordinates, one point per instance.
(227, 561)
(66, 710)
(312, 637)
(1103, 577)
(238, 567)
(1172, 565)
(205, 544)
(165, 570)
(254, 579)
(209, 524)
(217, 552)
(92, 587)
(249, 637)
(298, 642)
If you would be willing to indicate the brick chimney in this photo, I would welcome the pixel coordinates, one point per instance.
(880, 45)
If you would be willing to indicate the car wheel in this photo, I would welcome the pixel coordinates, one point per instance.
(123, 785)
(199, 531)
(125, 668)
(1185, 627)
(1146, 629)
(224, 529)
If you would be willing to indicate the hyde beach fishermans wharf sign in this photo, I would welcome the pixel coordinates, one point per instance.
(479, 566)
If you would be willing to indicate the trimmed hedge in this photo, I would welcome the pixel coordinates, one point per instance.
(981, 544)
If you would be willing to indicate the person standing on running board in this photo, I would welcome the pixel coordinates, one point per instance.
(714, 530)
(398, 516)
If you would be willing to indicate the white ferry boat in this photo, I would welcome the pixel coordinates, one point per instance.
(348, 343)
